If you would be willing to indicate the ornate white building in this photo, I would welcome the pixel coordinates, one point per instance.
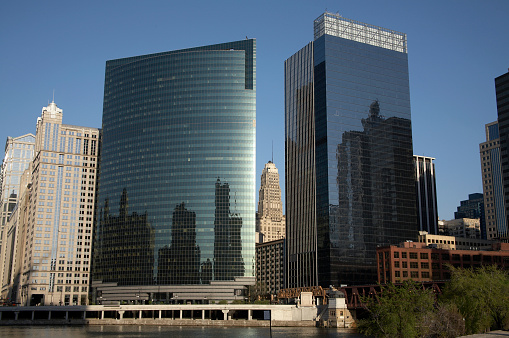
(270, 221)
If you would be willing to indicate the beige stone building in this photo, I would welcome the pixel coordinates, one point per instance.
(461, 227)
(454, 243)
(56, 216)
(270, 221)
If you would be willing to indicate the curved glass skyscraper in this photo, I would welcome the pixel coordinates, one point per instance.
(176, 195)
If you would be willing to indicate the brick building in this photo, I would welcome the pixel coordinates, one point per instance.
(417, 261)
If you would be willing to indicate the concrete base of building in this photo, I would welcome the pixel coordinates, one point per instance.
(163, 322)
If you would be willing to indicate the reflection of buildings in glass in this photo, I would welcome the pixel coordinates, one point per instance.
(180, 263)
(351, 186)
(228, 261)
(367, 184)
(206, 271)
(128, 238)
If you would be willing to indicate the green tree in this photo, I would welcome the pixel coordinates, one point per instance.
(398, 311)
(481, 296)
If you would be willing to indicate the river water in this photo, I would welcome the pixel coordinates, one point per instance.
(112, 331)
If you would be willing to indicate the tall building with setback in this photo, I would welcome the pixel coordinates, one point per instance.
(55, 218)
(178, 176)
(270, 221)
(426, 192)
(19, 152)
(502, 94)
(349, 168)
(495, 220)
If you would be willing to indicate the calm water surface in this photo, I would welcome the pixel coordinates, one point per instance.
(166, 331)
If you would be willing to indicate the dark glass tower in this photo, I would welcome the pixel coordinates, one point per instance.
(502, 92)
(426, 190)
(178, 135)
(350, 183)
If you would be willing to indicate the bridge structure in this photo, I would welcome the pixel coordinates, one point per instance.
(355, 294)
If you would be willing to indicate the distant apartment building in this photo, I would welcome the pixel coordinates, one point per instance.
(19, 152)
(493, 188)
(462, 227)
(420, 262)
(426, 193)
(59, 210)
(270, 221)
(270, 267)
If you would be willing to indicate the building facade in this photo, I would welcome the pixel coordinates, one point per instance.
(270, 221)
(461, 227)
(420, 263)
(495, 220)
(270, 267)
(19, 152)
(454, 242)
(349, 166)
(473, 208)
(178, 176)
(13, 250)
(55, 219)
(426, 192)
(502, 94)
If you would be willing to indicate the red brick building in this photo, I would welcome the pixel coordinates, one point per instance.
(416, 261)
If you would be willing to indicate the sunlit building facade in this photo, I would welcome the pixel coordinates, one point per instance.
(51, 262)
(178, 176)
(350, 183)
(270, 221)
(495, 220)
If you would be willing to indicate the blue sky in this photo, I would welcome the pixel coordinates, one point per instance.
(456, 49)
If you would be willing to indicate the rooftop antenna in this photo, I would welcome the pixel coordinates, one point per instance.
(272, 151)
(53, 96)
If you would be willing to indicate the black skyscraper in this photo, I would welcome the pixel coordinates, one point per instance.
(349, 161)
(502, 92)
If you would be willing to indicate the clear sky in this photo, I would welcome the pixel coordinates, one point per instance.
(456, 49)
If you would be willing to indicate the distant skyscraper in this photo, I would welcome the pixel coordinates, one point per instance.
(495, 220)
(179, 140)
(426, 190)
(473, 208)
(270, 221)
(349, 168)
(502, 94)
(58, 207)
(19, 152)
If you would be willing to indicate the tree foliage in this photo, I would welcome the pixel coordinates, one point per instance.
(481, 296)
(398, 311)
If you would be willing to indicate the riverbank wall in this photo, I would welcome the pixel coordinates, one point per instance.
(242, 315)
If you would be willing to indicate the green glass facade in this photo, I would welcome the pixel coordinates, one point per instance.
(177, 171)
